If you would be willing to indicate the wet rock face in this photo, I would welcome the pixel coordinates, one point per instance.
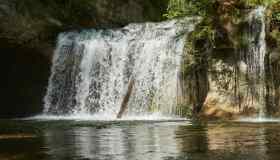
(273, 82)
(238, 79)
(236, 76)
(235, 87)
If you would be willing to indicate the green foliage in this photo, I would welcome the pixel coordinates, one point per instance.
(276, 12)
(276, 17)
(205, 8)
(254, 3)
(204, 30)
(179, 8)
(215, 12)
(176, 8)
(275, 22)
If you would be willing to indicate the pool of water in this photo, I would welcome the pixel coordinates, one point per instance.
(138, 140)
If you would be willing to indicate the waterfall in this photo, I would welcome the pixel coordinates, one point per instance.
(254, 58)
(92, 68)
(257, 47)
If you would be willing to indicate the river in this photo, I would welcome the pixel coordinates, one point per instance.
(138, 140)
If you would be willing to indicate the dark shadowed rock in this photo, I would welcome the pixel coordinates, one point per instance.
(36, 23)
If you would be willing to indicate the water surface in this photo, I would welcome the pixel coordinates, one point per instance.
(138, 140)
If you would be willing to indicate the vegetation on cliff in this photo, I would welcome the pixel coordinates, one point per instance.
(215, 11)
(215, 45)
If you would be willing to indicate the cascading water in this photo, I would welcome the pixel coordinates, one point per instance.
(254, 58)
(92, 69)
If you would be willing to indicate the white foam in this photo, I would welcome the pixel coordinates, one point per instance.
(258, 120)
(104, 117)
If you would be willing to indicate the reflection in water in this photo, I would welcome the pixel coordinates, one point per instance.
(193, 141)
(70, 140)
(59, 144)
(242, 140)
(160, 143)
(273, 142)
(118, 143)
